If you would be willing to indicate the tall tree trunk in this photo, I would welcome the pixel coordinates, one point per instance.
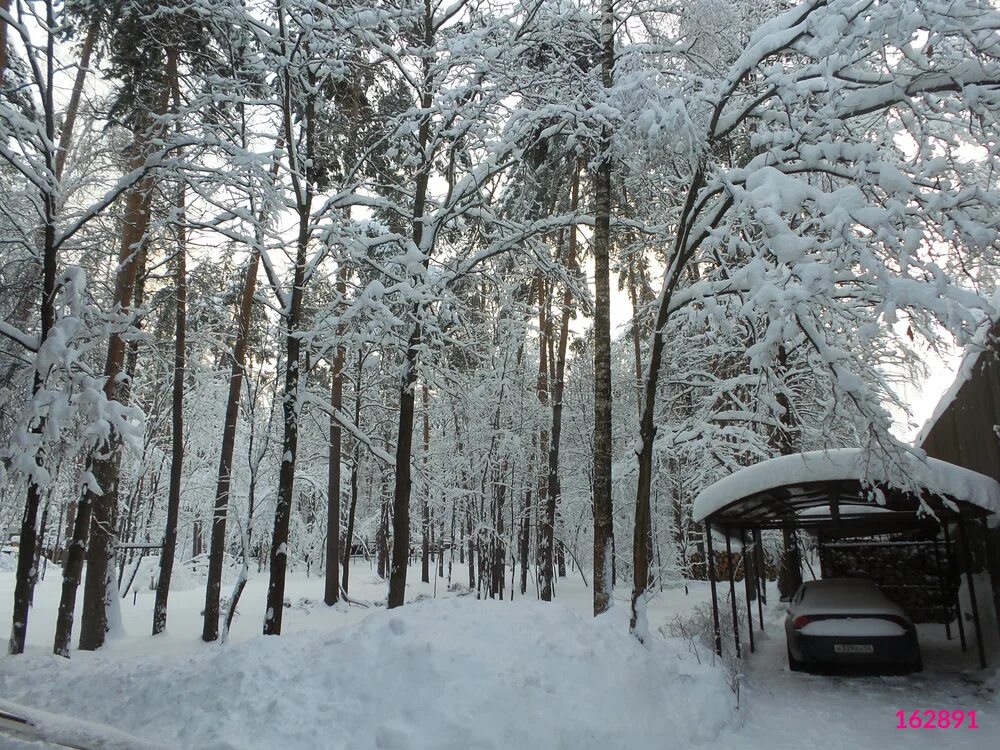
(558, 387)
(27, 570)
(73, 107)
(404, 440)
(524, 543)
(603, 519)
(546, 530)
(349, 537)
(382, 540)
(784, 441)
(213, 588)
(100, 506)
(290, 439)
(301, 175)
(425, 521)
(177, 409)
(5, 7)
(331, 594)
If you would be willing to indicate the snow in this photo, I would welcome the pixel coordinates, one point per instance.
(438, 673)
(848, 464)
(966, 367)
(844, 595)
(458, 673)
(784, 709)
(853, 627)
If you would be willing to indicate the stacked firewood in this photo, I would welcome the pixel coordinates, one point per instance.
(911, 573)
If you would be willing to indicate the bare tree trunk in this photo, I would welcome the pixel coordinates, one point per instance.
(524, 543)
(425, 547)
(784, 441)
(546, 530)
(5, 7)
(558, 387)
(603, 519)
(27, 572)
(301, 175)
(73, 107)
(382, 541)
(404, 441)
(331, 594)
(27, 569)
(213, 588)
(100, 507)
(290, 440)
(472, 549)
(177, 419)
(349, 537)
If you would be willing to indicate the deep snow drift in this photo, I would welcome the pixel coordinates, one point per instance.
(455, 673)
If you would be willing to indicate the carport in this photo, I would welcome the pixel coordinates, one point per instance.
(847, 491)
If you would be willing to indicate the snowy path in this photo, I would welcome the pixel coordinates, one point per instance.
(783, 709)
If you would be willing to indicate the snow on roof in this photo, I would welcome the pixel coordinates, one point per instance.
(978, 345)
(857, 464)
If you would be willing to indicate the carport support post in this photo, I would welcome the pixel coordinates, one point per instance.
(711, 580)
(746, 582)
(991, 565)
(963, 535)
(958, 602)
(761, 568)
(732, 595)
(945, 585)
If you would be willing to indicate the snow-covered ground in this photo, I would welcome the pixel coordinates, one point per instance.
(453, 672)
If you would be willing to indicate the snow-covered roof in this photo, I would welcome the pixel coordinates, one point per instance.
(849, 464)
(979, 344)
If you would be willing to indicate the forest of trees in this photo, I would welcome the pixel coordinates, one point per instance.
(287, 280)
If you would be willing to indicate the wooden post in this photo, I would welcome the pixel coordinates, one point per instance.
(963, 536)
(732, 596)
(746, 585)
(715, 596)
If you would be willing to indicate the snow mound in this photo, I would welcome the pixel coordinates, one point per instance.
(444, 674)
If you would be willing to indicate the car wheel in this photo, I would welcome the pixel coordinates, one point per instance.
(794, 665)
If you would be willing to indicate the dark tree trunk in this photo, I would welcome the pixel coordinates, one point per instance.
(425, 547)
(784, 440)
(546, 530)
(603, 519)
(382, 541)
(554, 491)
(27, 571)
(290, 439)
(471, 542)
(177, 440)
(331, 593)
(404, 441)
(73, 106)
(210, 628)
(524, 543)
(349, 537)
(105, 464)
(177, 408)
(302, 183)
(237, 372)
(4, 6)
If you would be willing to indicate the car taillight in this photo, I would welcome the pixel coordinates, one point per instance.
(801, 621)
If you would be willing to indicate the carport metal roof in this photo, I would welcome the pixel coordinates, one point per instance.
(845, 491)
(846, 487)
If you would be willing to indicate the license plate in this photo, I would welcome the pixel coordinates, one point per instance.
(853, 648)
